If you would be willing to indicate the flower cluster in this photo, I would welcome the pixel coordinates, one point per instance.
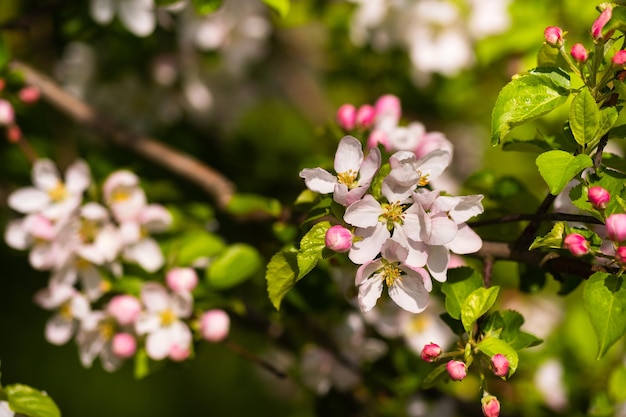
(85, 246)
(402, 235)
(27, 94)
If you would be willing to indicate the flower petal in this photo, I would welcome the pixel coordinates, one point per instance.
(146, 253)
(437, 263)
(138, 16)
(363, 213)
(349, 155)
(369, 246)
(466, 241)
(409, 293)
(369, 292)
(28, 200)
(319, 180)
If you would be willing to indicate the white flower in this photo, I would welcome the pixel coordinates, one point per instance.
(354, 173)
(408, 287)
(161, 321)
(94, 340)
(71, 307)
(408, 172)
(138, 16)
(5, 411)
(51, 196)
(37, 232)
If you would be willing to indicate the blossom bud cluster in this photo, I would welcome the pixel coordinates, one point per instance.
(81, 242)
(405, 236)
(26, 95)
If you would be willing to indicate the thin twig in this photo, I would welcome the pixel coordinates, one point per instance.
(510, 218)
(207, 178)
(252, 357)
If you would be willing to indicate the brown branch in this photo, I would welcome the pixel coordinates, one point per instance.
(510, 218)
(207, 178)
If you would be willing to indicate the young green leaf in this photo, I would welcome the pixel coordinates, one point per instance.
(280, 275)
(281, 6)
(233, 266)
(461, 282)
(584, 117)
(311, 247)
(557, 168)
(527, 97)
(604, 298)
(30, 402)
(476, 304)
(554, 238)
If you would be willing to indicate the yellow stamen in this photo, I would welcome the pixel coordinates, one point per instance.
(348, 178)
(167, 317)
(391, 273)
(106, 330)
(58, 193)
(393, 213)
(423, 181)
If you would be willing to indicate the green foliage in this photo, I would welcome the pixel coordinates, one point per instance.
(460, 284)
(281, 6)
(233, 266)
(605, 301)
(311, 247)
(30, 402)
(492, 345)
(558, 168)
(552, 240)
(194, 245)
(204, 7)
(587, 121)
(251, 204)
(476, 304)
(527, 97)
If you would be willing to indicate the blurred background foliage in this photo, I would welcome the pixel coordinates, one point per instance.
(259, 112)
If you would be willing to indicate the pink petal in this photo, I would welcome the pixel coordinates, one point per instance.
(364, 213)
(370, 291)
(319, 180)
(466, 241)
(349, 155)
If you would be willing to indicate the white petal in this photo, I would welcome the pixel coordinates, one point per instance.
(102, 11)
(147, 323)
(433, 164)
(155, 218)
(443, 230)
(45, 175)
(147, 254)
(349, 155)
(155, 297)
(138, 16)
(370, 166)
(91, 282)
(77, 177)
(16, 235)
(158, 344)
(346, 197)
(59, 330)
(372, 241)
(468, 207)
(409, 293)
(366, 270)
(53, 296)
(363, 213)
(466, 241)
(437, 263)
(42, 256)
(28, 200)
(182, 304)
(319, 180)
(369, 292)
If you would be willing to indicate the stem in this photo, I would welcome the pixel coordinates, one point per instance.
(252, 357)
(511, 218)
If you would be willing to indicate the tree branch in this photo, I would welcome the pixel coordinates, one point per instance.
(510, 218)
(207, 178)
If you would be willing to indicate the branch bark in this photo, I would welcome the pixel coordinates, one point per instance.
(208, 179)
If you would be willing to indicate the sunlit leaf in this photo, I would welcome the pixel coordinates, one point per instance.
(558, 168)
(30, 402)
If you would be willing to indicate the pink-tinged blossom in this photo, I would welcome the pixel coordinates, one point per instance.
(576, 244)
(500, 365)
(579, 53)
(431, 352)
(407, 287)
(354, 173)
(490, 406)
(365, 116)
(94, 339)
(408, 172)
(388, 106)
(214, 325)
(598, 25)
(51, 196)
(37, 233)
(553, 36)
(29, 94)
(124, 308)
(616, 227)
(182, 279)
(598, 197)
(456, 370)
(619, 59)
(378, 137)
(123, 345)
(338, 239)
(71, 307)
(161, 320)
(123, 195)
(620, 255)
(346, 117)
(5, 410)
(14, 133)
(7, 114)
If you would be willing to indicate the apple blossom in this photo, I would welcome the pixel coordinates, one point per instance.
(500, 365)
(71, 307)
(553, 36)
(346, 117)
(576, 244)
(181, 279)
(456, 370)
(620, 255)
(616, 227)
(214, 325)
(431, 352)
(490, 406)
(123, 345)
(125, 308)
(598, 25)
(29, 94)
(7, 114)
(579, 53)
(14, 133)
(598, 197)
(354, 173)
(365, 116)
(338, 239)
(619, 59)
(5, 410)
(94, 339)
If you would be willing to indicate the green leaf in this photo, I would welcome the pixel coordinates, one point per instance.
(128, 285)
(491, 346)
(281, 6)
(527, 97)
(608, 118)
(460, 283)
(476, 304)
(250, 204)
(233, 266)
(280, 275)
(604, 298)
(142, 364)
(617, 382)
(204, 7)
(557, 168)
(612, 181)
(311, 247)
(30, 402)
(584, 117)
(554, 238)
(197, 244)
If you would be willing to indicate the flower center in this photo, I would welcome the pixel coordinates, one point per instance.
(106, 330)
(58, 193)
(391, 273)
(65, 310)
(423, 181)
(393, 213)
(348, 178)
(120, 194)
(89, 231)
(167, 317)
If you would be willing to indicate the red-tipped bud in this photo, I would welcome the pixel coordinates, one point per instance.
(576, 244)
(620, 255)
(338, 239)
(600, 22)
(500, 365)
(7, 114)
(29, 94)
(214, 325)
(616, 227)
(579, 53)
(123, 345)
(619, 59)
(553, 36)
(490, 406)
(346, 116)
(431, 352)
(365, 116)
(598, 197)
(456, 370)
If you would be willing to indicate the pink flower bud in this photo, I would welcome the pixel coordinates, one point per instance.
(616, 227)
(576, 244)
(579, 53)
(29, 94)
(500, 365)
(456, 370)
(124, 308)
(179, 353)
(388, 105)
(365, 116)
(7, 114)
(181, 279)
(620, 255)
(619, 59)
(600, 22)
(214, 325)
(123, 345)
(376, 137)
(14, 133)
(338, 239)
(598, 197)
(553, 35)
(346, 116)
(431, 352)
(490, 406)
